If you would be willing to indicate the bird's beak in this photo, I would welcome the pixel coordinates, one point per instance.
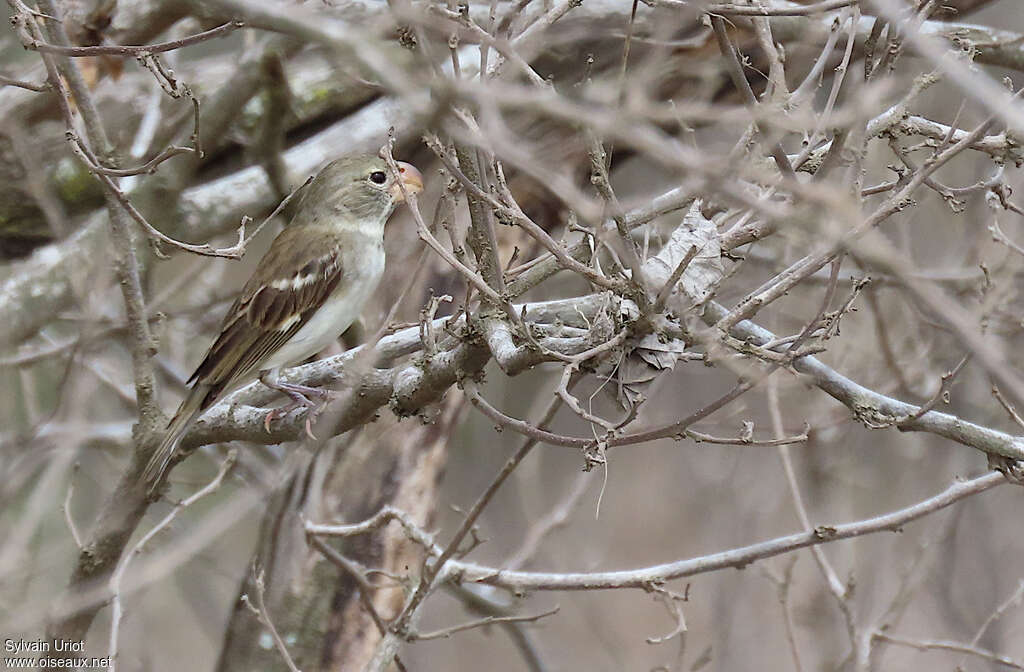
(411, 178)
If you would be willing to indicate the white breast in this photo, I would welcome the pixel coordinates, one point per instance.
(340, 310)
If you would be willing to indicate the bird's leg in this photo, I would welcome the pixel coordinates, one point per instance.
(299, 395)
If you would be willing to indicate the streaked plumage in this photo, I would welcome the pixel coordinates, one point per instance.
(306, 290)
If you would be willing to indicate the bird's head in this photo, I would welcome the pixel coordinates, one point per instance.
(360, 188)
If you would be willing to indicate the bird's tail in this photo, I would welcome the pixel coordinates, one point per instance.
(190, 408)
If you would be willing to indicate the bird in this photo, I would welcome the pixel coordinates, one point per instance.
(307, 289)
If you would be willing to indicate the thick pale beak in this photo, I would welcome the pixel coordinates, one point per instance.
(411, 178)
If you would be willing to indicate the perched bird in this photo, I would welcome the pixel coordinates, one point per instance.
(306, 290)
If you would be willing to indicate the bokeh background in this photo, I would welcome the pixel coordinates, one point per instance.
(277, 104)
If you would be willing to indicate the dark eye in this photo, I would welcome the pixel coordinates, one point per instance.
(378, 177)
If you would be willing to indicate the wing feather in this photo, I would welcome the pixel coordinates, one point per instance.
(283, 294)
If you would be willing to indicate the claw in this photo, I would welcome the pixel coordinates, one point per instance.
(299, 395)
(274, 412)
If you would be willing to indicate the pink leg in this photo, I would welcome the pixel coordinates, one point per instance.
(300, 396)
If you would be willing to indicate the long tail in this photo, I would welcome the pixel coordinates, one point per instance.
(190, 408)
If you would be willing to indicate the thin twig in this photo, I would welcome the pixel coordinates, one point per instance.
(1007, 406)
(117, 577)
(942, 394)
(264, 616)
(8, 81)
(132, 50)
(445, 633)
(388, 646)
(729, 9)
(944, 645)
(732, 558)
(234, 252)
(739, 80)
(66, 507)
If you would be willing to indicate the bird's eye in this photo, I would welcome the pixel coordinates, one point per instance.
(378, 177)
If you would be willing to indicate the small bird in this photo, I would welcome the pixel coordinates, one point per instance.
(306, 290)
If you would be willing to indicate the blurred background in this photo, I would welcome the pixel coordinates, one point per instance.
(305, 82)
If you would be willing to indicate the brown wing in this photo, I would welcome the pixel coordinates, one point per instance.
(290, 284)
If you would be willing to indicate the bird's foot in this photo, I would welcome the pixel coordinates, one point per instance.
(300, 396)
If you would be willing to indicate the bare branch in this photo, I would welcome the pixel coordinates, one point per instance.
(739, 557)
(143, 50)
